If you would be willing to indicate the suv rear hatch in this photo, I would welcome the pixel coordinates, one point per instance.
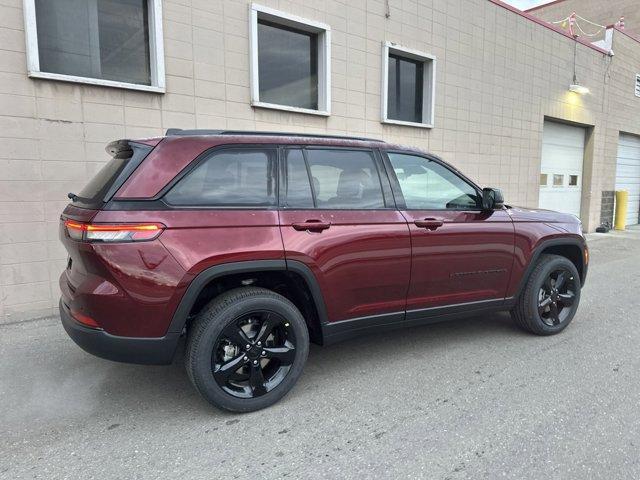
(126, 156)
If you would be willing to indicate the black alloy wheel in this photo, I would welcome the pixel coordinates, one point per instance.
(556, 296)
(253, 354)
(246, 349)
(550, 297)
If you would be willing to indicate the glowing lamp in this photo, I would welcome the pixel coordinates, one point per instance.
(579, 89)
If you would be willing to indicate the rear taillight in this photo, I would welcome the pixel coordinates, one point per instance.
(74, 229)
(123, 232)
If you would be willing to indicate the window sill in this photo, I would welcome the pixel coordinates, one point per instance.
(96, 81)
(286, 108)
(407, 124)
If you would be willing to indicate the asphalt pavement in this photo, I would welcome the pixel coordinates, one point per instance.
(469, 399)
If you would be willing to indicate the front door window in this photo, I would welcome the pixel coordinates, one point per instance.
(427, 185)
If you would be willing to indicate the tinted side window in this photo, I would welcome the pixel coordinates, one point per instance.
(427, 185)
(297, 189)
(345, 179)
(230, 177)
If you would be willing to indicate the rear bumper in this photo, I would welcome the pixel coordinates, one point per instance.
(148, 351)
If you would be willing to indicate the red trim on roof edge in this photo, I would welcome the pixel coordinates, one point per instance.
(548, 25)
(532, 9)
(632, 36)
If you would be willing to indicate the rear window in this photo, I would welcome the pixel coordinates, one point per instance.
(345, 179)
(229, 178)
(125, 157)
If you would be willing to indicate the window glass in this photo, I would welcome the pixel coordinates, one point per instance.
(427, 185)
(543, 179)
(345, 179)
(106, 39)
(287, 66)
(229, 178)
(558, 180)
(126, 157)
(405, 89)
(573, 180)
(297, 189)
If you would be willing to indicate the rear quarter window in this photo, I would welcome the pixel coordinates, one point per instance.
(229, 178)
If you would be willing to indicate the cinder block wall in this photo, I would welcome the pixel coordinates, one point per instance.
(498, 76)
(603, 12)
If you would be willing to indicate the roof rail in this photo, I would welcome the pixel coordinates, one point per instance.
(178, 131)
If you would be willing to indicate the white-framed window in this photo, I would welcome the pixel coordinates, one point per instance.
(408, 86)
(544, 179)
(573, 181)
(637, 89)
(558, 180)
(290, 62)
(115, 43)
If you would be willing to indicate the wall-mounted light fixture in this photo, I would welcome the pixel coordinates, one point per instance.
(575, 85)
(579, 89)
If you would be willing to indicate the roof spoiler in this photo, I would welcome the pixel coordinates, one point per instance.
(117, 146)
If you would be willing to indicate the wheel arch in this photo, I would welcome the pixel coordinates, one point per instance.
(571, 248)
(293, 279)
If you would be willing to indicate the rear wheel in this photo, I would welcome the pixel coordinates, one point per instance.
(550, 298)
(246, 349)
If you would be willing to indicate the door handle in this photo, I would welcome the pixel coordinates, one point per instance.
(311, 225)
(429, 223)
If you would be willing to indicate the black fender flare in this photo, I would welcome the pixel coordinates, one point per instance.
(542, 246)
(179, 318)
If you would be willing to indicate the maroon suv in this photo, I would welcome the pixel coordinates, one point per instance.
(252, 244)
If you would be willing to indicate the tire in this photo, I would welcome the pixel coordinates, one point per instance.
(218, 342)
(529, 312)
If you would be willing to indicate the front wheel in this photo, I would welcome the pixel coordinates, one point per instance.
(246, 349)
(550, 298)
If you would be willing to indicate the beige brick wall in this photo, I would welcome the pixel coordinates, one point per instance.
(498, 76)
(603, 12)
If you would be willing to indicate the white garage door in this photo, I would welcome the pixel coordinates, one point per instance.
(561, 167)
(628, 173)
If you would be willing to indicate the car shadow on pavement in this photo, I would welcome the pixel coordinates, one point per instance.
(325, 362)
(166, 389)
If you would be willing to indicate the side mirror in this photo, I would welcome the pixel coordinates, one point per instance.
(492, 198)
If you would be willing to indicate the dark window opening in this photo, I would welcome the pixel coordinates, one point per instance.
(405, 89)
(105, 39)
(287, 66)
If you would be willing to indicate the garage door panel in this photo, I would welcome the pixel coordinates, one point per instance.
(628, 173)
(627, 183)
(562, 154)
(628, 148)
(562, 134)
(568, 157)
